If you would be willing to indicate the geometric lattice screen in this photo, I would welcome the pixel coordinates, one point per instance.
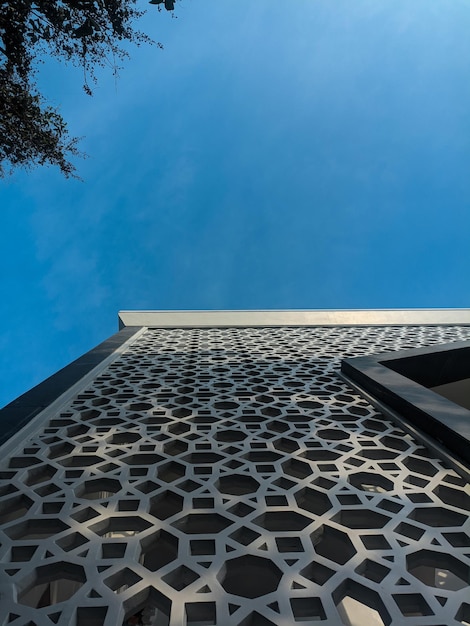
(229, 477)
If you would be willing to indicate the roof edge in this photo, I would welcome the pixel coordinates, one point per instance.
(314, 317)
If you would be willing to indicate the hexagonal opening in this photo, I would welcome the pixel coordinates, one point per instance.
(394, 442)
(244, 535)
(51, 584)
(158, 550)
(320, 454)
(372, 570)
(84, 515)
(64, 448)
(180, 427)
(140, 406)
(437, 516)
(420, 466)
(202, 523)
(262, 456)
(203, 458)
(313, 500)
(166, 504)
(18, 462)
(282, 521)
(147, 486)
(458, 540)
(14, 508)
(8, 489)
(437, 569)
(249, 576)
(378, 454)
(332, 434)
(297, 468)
(77, 429)
(145, 459)
(333, 544)
(358, 605)
(317, 573)
(180, 578)
(125, 438)
(237, 484)
(226, 405)
(89, 414)
(229, 436)
(149, 606)
(81, 460)
(171, 471)
(360, 518)
(286, 445)
(36, 529)
(175, 447)
(453, 497)
(39, 474)
(367, 481)
(72, 541)
(122, 580)
(119, 527)
(98, 489)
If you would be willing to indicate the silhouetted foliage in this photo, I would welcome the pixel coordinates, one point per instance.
(86, 33)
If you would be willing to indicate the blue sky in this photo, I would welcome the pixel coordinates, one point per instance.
(307, 154)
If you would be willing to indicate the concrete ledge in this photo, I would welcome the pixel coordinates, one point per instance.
(365, 317)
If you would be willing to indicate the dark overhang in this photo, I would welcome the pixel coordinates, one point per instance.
(21, 411)
(404, 381)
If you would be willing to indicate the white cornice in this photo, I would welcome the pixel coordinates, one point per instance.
(320, 317)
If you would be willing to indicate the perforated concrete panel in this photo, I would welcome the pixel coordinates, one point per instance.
(229, 477)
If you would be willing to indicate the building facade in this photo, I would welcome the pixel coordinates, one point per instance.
(217, 468)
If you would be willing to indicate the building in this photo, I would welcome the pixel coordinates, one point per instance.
(244, 469)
